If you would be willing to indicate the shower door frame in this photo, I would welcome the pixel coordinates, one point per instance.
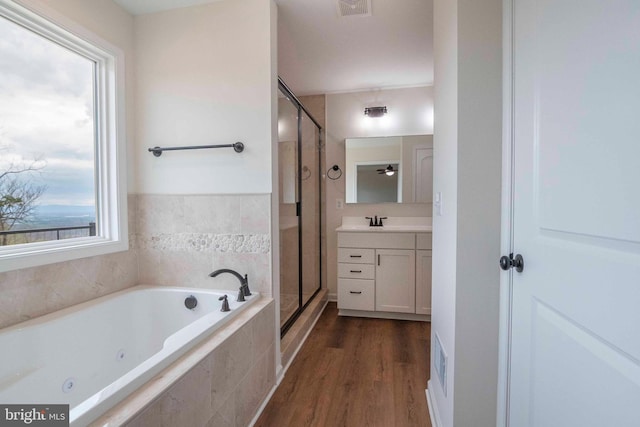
(282, 86)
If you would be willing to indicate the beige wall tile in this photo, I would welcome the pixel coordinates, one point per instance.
(229, 364)
(159, 214)
(216, 214)
(263, 331)
(188, 402)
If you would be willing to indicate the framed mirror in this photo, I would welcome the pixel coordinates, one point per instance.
(394, 169)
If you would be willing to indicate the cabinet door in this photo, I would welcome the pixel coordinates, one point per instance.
(396, 280)
(423, 282)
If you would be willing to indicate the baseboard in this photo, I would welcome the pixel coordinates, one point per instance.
(263, 405)
(332, 297)
(433, 409)
(385, 315)
(279, 375)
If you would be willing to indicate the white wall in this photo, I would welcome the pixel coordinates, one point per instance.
(410, 113)
(445, 181)
(205, 76)
(466, 239)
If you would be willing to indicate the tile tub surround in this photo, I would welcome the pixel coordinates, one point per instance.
(182, 238)
(221, 382)
(36, 291)
(174, 240)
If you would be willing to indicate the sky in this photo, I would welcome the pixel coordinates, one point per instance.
(46, 114)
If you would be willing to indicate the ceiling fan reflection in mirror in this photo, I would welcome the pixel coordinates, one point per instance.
(389, 171)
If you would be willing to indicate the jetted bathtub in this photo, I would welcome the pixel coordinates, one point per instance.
(94, 354)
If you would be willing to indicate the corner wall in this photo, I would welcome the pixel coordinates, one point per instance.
(466, 239)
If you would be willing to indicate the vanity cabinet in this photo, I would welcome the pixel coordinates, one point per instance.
(396, 280)
(382, 273)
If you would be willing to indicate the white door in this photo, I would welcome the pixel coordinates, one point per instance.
(575, 337)
(423, 174)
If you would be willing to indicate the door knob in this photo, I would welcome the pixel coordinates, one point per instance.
(507, 262)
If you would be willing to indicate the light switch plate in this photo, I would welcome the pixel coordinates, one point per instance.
(437, 202)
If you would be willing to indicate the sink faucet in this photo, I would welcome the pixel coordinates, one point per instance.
(373, 222)
(244, 282)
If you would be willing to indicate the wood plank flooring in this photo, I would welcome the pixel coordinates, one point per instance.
(355, 372)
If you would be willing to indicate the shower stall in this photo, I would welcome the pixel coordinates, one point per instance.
(300, 188)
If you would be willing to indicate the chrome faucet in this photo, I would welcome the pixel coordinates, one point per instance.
(244, 282)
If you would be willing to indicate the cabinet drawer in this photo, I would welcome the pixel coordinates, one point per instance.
(356, 255)
(423, 241)
(356, 271)
(377, 240)
(356, 294)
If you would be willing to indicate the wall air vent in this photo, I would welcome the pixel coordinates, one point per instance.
(354, 8)
(440, 363)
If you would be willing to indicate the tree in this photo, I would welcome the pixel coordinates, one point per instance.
(18, 194)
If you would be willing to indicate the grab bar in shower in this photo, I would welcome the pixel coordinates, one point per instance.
(238, 147)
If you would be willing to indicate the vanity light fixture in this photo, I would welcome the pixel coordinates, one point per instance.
(375, 111)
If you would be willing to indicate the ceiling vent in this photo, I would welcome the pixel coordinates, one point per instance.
(354, 8)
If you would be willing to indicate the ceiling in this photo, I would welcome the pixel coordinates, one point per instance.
(321, 52)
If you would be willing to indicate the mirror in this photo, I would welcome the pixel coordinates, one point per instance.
(393, 169)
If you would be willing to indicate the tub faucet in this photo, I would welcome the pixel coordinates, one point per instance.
(244, 282)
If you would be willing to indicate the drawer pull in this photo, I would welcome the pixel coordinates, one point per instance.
(356, 271)
(355, 292)
(355, 256)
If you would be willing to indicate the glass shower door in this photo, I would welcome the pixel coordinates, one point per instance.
(310, 206)
(288, 161)
(299, 180)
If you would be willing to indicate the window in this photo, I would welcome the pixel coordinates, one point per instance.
(62, 182)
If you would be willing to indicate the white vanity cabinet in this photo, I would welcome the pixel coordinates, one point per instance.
(396, 280)
(384, 274)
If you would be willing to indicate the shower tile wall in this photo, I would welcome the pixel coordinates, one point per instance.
(36, 291)
(182, 238)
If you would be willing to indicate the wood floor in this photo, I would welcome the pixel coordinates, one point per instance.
(355, 372)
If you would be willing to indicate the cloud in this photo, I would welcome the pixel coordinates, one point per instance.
(46, 112)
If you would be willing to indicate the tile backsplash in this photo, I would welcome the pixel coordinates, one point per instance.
(183, 238)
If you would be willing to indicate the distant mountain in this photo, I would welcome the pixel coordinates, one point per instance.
(65, 210)
(48, 216)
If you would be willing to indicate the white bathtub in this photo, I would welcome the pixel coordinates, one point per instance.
(94, 354)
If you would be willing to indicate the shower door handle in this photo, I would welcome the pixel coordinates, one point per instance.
(298, 209)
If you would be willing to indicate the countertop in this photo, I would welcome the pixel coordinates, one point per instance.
(391, 225)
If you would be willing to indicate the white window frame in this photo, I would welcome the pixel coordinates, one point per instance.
(110, 161)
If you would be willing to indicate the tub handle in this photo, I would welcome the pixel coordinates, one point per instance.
(225, 303)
